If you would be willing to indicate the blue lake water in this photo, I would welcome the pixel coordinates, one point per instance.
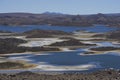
(69, 58)
(96, 28)
(73, 58)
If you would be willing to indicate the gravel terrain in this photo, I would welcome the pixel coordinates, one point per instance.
(99, 75)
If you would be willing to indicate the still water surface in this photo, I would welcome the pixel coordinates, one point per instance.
(68, 60)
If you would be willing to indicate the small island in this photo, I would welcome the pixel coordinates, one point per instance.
(44, 33)
(105, 48)
(71, 42)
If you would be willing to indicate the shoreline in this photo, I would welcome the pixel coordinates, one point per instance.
(100, 52)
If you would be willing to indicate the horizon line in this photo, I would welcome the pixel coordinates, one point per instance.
(60, 13)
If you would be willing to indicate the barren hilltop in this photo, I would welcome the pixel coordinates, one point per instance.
(59, 19)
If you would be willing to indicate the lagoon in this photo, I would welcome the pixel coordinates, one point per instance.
(70, 61)
(67, 60)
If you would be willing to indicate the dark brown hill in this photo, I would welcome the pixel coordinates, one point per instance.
(59, 19)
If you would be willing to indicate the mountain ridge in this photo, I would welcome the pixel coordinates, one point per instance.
(59, 19)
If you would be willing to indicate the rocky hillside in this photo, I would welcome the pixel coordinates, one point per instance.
(59, 19)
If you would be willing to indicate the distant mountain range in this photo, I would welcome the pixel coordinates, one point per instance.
(59, 19)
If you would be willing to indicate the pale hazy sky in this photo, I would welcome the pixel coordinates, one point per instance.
(62, 6)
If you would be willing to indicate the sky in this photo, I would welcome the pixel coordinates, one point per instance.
(60, 6)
